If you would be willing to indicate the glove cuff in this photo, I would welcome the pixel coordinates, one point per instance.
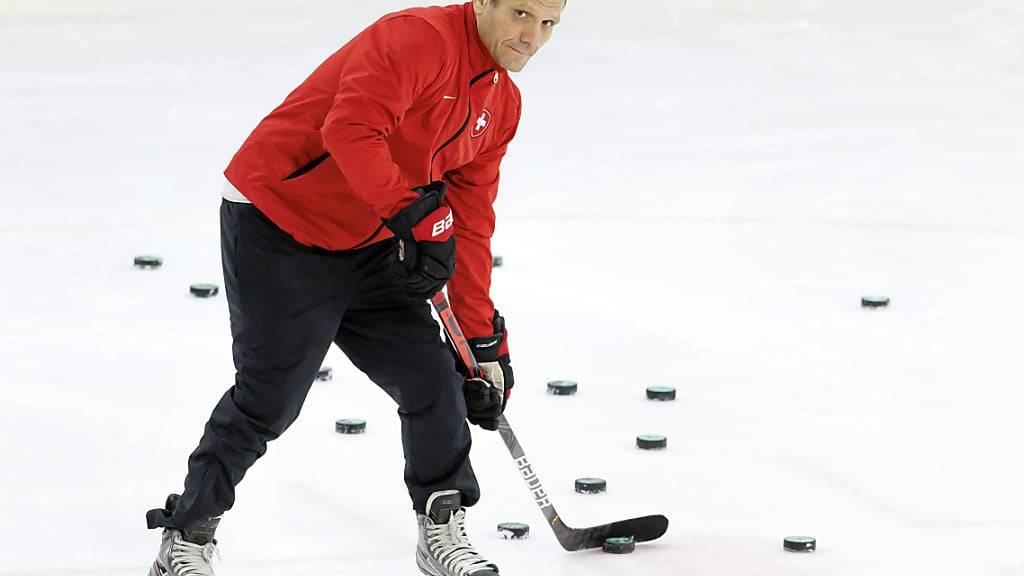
(487, 348)
(404, 223)
(491, 348)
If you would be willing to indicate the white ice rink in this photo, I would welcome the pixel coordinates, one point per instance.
(700, 193)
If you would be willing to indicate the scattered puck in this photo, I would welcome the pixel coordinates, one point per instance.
(619, 545)
(350, 426)
(324, 374)
(203, 290)
(651, 441)
(874, 301)
(562, 387)
(590, 485)
(662, 393)
(799, 544)
(148, 261)
(514, 530)
(497, 262)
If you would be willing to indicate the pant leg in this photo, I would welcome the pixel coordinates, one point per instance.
(286, 302)
(394, 340)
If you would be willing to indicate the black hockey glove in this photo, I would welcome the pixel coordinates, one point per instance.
(426, 245)
(487, 397)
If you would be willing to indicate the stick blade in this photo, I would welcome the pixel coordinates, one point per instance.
(642, 529)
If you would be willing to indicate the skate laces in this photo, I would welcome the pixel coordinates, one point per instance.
(188, 559)
(450, 546)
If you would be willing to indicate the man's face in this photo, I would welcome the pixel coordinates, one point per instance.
(514, 30)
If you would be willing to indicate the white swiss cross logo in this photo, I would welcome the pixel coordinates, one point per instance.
(482, 122)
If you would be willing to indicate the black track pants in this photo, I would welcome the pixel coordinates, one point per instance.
(288, 303)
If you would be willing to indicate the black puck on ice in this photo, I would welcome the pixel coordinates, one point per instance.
(663, 393)
(562, 387)
(591, 485)
(148, 261)
(497, 262)
(203, 290)
(350, 426)
(324, 374)
(651, 441)
(874, 301)
(799, 544)
(514, 530)
(619, 545)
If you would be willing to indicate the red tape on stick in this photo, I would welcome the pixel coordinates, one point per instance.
(454, 332)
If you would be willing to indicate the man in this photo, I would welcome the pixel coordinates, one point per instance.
(344, 211)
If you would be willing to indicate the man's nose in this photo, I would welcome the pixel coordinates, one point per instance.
(531, 36)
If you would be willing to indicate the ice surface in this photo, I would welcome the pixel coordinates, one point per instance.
(700, 193)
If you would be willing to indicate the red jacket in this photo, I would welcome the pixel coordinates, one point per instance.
(415, 97)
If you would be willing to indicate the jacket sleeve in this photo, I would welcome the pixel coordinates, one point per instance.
(391, 63)
(472, 190)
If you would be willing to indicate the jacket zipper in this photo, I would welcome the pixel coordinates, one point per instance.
(308, 166)
(469, 113)
(465, 123)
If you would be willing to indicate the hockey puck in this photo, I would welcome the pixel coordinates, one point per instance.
(799, 544)
(619, 545)
(562, 387)
(148, 262)
(324, 374)
(663, 393)
(204, 290)
(591, 485)
(874, 301)
(497, 262)
(651, 441)
(514, 530)
(350, 426)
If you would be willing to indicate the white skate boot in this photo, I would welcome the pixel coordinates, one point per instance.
(188, 552)
(443, 549)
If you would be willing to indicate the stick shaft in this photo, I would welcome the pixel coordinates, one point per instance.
(458, 340)
(643, 529)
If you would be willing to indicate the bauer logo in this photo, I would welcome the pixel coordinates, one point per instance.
(482, 122)
(441, 225)
(540, 496)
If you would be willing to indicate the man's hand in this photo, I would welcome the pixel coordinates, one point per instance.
(487, 396)
(426, 245)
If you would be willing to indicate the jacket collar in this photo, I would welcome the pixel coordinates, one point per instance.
(479, 56)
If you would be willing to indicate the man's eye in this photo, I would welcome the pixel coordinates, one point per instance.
(520, 13)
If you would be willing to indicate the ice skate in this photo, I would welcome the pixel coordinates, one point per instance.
(443, 549)
(188, 552)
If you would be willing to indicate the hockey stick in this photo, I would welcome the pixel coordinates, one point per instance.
(641, 529)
